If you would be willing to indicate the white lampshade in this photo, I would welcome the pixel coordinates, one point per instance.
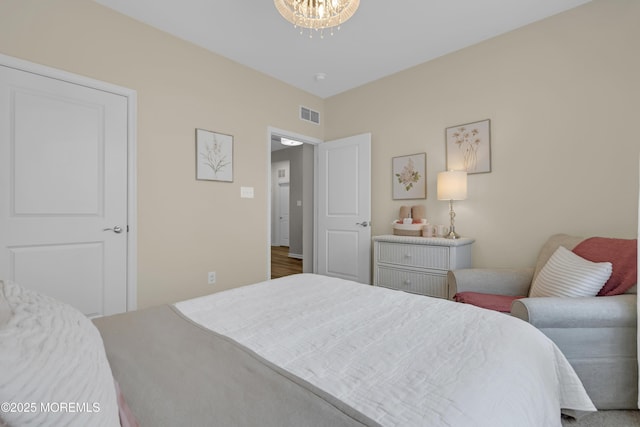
(452, 185)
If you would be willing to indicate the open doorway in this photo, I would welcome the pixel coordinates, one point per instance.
(291, 201)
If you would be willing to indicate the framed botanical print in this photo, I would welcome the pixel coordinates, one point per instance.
(214, 156)
(469, 147)
(409, 176)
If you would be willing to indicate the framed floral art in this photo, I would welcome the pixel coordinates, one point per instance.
(469, 147)
(409, 176)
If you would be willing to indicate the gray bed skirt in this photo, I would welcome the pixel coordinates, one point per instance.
(173, 372)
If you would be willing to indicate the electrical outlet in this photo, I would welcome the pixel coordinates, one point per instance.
(211, 277)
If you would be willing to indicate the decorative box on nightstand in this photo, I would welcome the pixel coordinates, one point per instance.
(418, 264)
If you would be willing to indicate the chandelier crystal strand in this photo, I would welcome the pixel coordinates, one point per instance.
(317, 14)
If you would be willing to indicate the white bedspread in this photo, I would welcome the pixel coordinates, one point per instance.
(400, 359)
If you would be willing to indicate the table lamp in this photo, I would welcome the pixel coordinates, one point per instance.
(452, 185)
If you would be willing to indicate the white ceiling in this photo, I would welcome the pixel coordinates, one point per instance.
(382, 38)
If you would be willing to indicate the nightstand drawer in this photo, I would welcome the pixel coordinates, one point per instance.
(423, 256)
(434, 285)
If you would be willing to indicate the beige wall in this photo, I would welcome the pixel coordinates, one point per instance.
(563, 96)
(186, 227)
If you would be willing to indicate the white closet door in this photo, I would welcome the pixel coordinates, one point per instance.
(63, 180)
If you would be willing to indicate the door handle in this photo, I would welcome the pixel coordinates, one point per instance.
(363, 223)
(117, 229)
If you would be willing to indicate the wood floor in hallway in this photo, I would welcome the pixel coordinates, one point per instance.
(283, 265)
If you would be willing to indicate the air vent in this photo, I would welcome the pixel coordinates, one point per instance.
(309, 115)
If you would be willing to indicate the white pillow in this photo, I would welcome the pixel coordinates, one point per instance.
(568, 275)
(53, 366)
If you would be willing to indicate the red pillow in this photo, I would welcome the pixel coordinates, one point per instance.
(621, 253)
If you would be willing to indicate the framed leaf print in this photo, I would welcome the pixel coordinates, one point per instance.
(214, 156)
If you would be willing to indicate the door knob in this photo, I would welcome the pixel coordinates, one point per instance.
(363, 223)
(117, 229)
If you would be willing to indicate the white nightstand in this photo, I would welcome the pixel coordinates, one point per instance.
(418, 264)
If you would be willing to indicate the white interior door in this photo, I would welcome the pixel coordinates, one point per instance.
(283, 214)
(344, 208)
(63, 180)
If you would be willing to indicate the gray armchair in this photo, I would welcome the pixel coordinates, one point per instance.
(597, 334)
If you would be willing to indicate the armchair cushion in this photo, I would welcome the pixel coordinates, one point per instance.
(568, 275)
(503, 281)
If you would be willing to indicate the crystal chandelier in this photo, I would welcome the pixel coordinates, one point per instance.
(317, 14)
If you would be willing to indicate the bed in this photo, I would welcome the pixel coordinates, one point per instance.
(309, 350)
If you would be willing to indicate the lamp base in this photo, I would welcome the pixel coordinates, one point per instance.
(452, 231)
(452, 235)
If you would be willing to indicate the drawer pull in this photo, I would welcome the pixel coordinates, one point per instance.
(407, 282)
(407, 255)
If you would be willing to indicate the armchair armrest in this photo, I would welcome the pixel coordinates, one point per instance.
(587, 312)
(515, 282)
